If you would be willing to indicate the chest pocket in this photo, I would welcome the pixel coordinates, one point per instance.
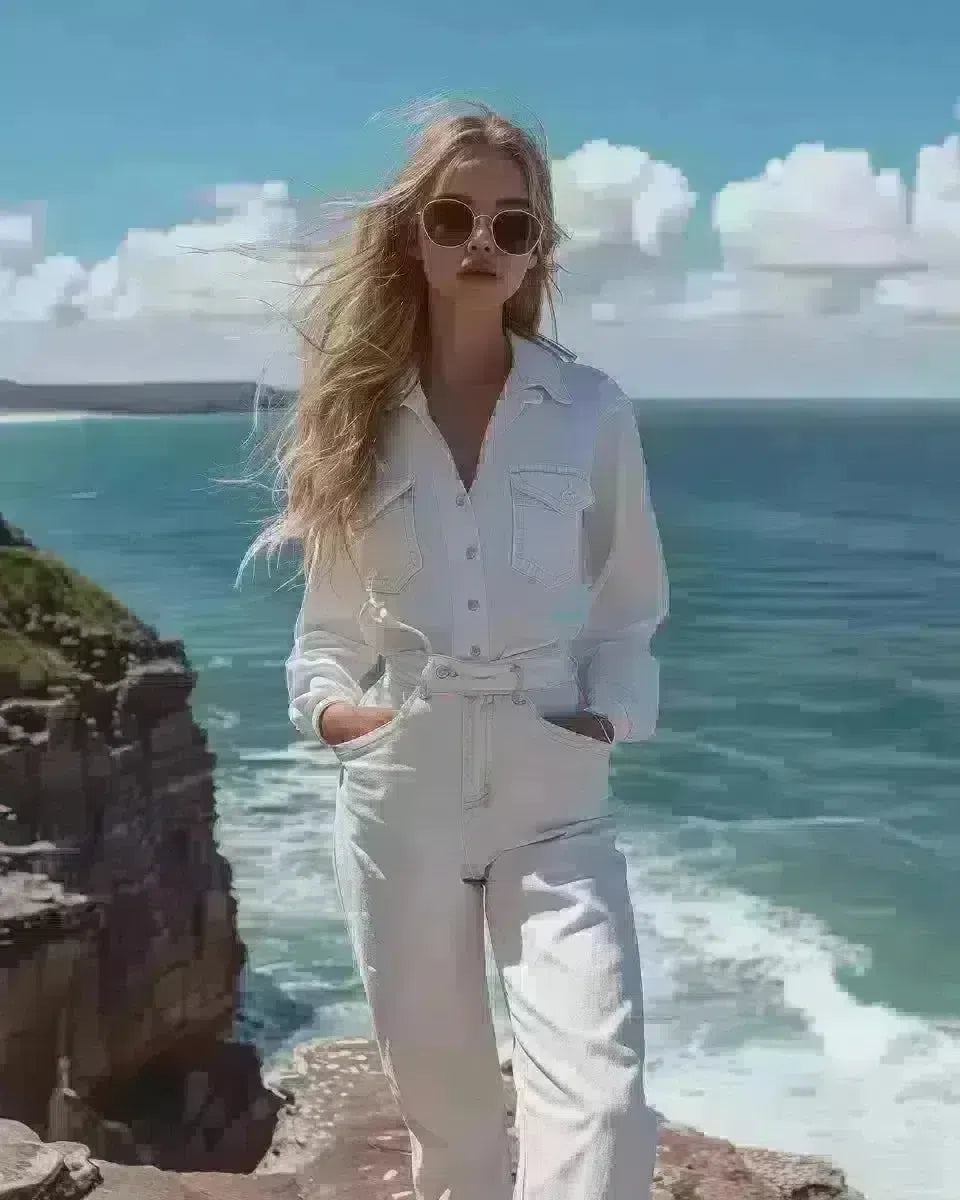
(547, 507)
(389, 550)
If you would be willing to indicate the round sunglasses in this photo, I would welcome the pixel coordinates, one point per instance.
(450, 223)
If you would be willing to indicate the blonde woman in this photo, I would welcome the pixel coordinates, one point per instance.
(483, 578)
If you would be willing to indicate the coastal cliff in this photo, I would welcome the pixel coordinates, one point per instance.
(119, 951)
(120, 957)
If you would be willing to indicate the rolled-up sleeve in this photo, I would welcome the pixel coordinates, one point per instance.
(629, 594)
(329, 657)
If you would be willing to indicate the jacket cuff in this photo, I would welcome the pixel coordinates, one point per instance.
(318, 712)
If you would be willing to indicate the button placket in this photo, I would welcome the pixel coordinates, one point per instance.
(473, 604)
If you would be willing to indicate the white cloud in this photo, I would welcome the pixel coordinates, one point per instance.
(860, 273)
(823, 231)
(815, 209)
(197, 268)
(933, 294)
(17, 235)
(619, 194)
(625, 213)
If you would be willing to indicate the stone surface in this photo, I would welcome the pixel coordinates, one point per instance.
(341, 1138)
(35, 1170)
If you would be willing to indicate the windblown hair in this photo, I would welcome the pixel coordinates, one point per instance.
(365, 335)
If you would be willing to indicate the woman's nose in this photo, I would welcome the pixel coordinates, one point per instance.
(482, 236)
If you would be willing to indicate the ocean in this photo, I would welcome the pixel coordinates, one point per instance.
(793, 832)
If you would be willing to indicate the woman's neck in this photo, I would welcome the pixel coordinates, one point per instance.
(467, 350)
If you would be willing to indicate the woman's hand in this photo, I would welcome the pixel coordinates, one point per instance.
(589, 724)
(342, 722)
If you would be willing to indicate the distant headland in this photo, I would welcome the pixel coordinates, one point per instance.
(138, 398)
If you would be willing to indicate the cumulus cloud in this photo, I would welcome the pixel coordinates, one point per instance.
(836, 274)
(934, 294)
(606, 193)
(625, 214)
(203, 268)
(824, 231)
(19, 241)
(815, 209)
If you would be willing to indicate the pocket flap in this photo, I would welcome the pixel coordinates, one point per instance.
(563, 491)
(385, 491)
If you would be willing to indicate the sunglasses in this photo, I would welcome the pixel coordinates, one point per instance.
(450, 223)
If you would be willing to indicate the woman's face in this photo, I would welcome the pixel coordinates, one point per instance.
(489, 182)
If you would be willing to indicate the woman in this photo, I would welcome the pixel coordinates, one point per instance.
(484, 575)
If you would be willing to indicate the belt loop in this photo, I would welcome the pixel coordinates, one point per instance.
(518, 696)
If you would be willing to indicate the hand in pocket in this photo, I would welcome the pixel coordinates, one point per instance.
(344, 722)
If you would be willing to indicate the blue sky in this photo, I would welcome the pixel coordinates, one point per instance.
(119, 113)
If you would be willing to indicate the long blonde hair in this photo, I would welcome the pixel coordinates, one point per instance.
(365, 334)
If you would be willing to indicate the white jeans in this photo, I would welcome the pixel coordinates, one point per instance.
(468, 805)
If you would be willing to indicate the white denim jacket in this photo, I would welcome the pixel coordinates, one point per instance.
(556, 542)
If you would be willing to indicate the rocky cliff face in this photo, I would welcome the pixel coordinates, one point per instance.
(119, 952)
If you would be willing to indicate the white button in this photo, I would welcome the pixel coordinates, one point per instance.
(471, 552)
(461, 501)
(475, 651)
(473, 604)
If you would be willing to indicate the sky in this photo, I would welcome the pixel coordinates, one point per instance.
(763, 200)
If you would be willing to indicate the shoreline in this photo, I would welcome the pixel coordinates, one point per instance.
(48, 416)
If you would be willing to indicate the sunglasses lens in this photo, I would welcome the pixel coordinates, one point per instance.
(447, 222)
(516, 232)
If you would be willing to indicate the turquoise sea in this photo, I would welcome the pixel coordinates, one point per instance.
(793, 832)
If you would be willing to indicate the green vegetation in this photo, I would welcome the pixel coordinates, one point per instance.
(59, 628)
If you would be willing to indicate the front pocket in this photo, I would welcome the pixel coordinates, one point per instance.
(577, 741)
(366, 741)
(547, 509)
(390, 553)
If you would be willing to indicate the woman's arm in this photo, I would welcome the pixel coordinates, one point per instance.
(329, 656)
(629, 595)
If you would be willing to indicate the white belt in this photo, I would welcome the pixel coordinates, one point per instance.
(539, 667)
(543, 668)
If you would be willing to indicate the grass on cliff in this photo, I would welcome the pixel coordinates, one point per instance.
(32, 579)
(29, 668)
(48, 615)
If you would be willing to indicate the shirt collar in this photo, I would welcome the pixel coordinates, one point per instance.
(535, 369)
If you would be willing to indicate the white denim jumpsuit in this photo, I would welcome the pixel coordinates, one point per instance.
(474, 613)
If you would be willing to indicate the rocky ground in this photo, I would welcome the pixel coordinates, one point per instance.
(340, 1137)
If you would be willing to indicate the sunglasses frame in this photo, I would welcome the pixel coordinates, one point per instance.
(476, 217)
